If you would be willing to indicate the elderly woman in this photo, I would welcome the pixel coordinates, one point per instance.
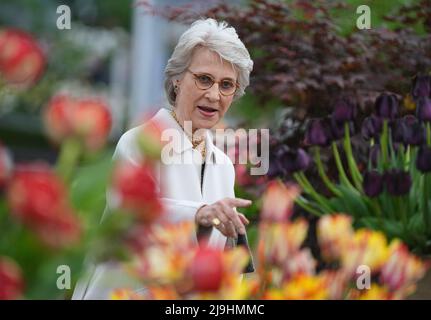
(208, 70)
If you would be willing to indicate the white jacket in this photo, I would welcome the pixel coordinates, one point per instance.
(180, 188)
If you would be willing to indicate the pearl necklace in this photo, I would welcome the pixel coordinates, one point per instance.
(198, 143)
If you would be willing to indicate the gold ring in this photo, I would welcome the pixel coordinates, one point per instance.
(216, 222)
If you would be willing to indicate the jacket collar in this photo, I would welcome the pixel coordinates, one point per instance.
(164, 117)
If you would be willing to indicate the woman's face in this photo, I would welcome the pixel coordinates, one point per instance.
(204, 108)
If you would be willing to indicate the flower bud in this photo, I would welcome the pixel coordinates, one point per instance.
(318, 132)
(373, 183)
(423, 160)
(397, 182)
(386, 106)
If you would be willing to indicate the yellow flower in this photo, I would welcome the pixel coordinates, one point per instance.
(125, 294)
(333, 233)
(376, 292)
(277, 241)
(366, 248)
(305, 287)
(409, 104)
(337, 283)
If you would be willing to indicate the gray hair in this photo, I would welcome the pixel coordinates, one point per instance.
(217, 37)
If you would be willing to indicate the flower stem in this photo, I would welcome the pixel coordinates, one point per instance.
(353, 167)
(343, 177)
(308, 188)
(302, 202)
(67, 159)
(384, 143)
(426, 206)
(323, 175)
(428, 133)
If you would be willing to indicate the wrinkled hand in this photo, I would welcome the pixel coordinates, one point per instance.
(232, 223)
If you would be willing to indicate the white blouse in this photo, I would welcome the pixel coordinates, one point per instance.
(180, 189)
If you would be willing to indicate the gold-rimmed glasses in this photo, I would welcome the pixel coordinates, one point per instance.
(204, 81)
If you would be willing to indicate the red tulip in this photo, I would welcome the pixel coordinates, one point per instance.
(11, 281)
(5, 166)
(21, 59)
(136, 191)
(60, 231)
(38, 198)
(207, 270)
(91, 120)
(88, 120)
(56, 117)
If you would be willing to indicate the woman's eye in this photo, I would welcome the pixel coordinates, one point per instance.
(205, 79)
(227, 84)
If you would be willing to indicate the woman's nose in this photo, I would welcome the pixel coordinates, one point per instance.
(213, 93)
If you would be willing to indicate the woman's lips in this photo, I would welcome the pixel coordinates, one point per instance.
(207, 111)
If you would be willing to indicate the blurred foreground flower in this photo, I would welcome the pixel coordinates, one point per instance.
(134, 190)
(22, 61)
(87, 119)
(11, 282)
(38, 198)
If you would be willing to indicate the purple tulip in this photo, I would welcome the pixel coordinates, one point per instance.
(371, 127)
(397, 182)
(408, 130)
(423, 109)
(421, 86)
(318, 132)
(337, 129)
(275, 169)
(373, 183)
(294, 160)
(344, 110)
(423, 160)
(386, 106)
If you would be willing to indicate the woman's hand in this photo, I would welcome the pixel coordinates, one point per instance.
(231, 222)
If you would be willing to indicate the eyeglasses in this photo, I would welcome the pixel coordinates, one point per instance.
(203, 81)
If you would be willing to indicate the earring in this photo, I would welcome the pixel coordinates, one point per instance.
(176, 89)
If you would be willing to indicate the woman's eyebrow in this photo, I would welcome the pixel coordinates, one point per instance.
(209, 74)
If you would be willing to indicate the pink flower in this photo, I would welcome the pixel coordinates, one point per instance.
(402, 269)
(11, 281)
(301, 262)
(278, 201)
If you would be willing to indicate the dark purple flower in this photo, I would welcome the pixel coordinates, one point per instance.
(421, 86)
(337, 129)
(423, 109)
(386, 106)
(371, 127)
(373, 183)
(344, 110)
(275, 169)
(397, 182)
(408, 130)
(318, 132)
(294, 160)
(423, 160)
